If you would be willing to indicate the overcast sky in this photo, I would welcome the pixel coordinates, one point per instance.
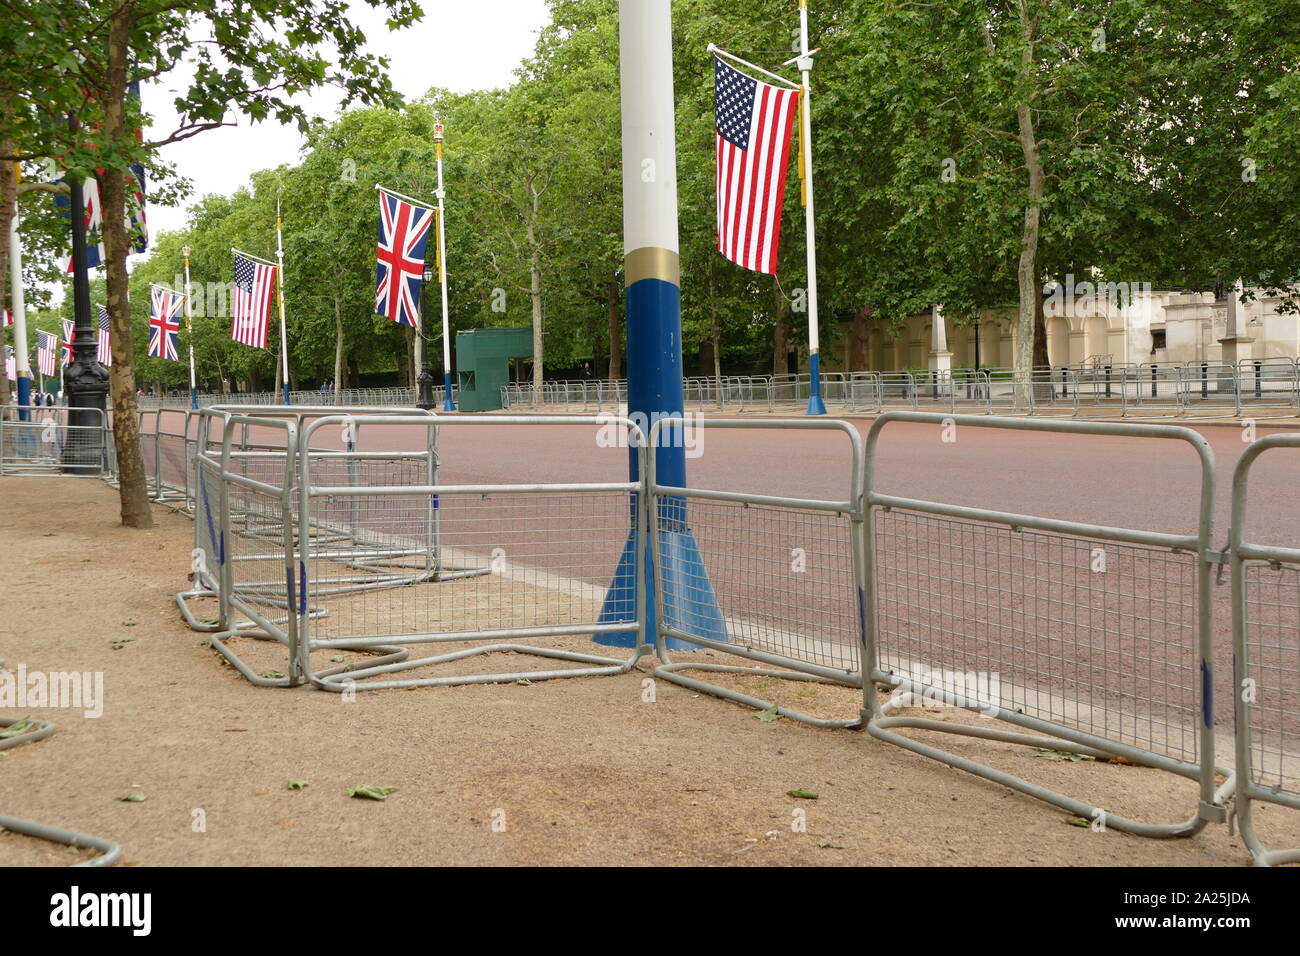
(461, 46)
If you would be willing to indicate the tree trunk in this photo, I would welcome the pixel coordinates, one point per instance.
(1040, 326)
(112, 190)
(8, 209)
(858, 339)
(1027, 269)
(535, 293)
(338, 349)
(780, 333)
(614, 297)
(716, 331)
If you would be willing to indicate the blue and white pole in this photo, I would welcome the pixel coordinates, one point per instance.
(22, 360)
(652, 280)
(805, 62)
(448, 403)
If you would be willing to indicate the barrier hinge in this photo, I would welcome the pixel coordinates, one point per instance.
(1218, 557)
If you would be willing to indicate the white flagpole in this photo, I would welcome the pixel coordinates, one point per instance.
(448, 404)
(816, 406)
(22, 362)
(279, 274)
(189, 327)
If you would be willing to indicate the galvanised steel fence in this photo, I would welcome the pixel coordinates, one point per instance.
(1266, 656)
(770, 579)
(39, 441)
(1096, 638)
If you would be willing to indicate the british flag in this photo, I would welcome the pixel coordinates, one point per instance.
(403, 235)
(69, 336)
(164, 325)
(47, 348)
(103, 341)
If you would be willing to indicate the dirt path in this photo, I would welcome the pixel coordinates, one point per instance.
(580, 771)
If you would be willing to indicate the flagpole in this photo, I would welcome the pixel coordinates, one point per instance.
(815, 404)
(189, 327)
(448, 403)
(279, 275)
(22, 363)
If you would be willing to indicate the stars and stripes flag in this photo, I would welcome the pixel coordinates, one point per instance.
(103, 341)
(11, 367)
(399, 274)
(753, 121)
(250, 300)
(9, 318)
(164, 323)
(69, 336)
(47, 351)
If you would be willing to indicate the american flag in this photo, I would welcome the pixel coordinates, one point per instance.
(69, 336)
(753, 121)
(103, 341)
(9, 318)
(47, 349)
(403, 235)
(164, 326)
(11, 367)
(250, 301)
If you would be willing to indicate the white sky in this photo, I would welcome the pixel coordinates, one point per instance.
(461, 46)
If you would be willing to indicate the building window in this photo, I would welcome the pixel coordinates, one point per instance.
(1157, 339)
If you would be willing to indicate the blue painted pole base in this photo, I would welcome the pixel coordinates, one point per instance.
(688, 594)
(24, 398)
(815, 404)
(448, 403)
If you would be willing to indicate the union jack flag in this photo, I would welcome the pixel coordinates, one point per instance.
(69, 336)
(137, 228)
(103, 341)
(399, 274)
(164, 326)
(47, 347)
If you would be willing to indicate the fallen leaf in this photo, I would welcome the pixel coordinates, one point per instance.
(133, 798)
(828, 845)
(801, 794)
(297, 784)
(1078, 822)
(769, 715)
(370, 792)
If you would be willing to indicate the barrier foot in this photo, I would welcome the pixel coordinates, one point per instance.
(669, 672)
(109, 852)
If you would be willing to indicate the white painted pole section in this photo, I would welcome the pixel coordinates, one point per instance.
(189, 327)
(23, 365)
(649, 131)
(442, 263)
(279, 274)
(805, 68)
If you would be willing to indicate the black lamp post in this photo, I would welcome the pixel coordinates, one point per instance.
(424, 382)
(85, 381)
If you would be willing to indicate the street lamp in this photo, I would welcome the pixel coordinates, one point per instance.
(424, 382)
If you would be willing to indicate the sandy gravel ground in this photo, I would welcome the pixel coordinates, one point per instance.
(579, 771)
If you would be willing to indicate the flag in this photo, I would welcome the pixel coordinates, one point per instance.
(250, 301)
(9, 318)
(403, 235)
(11, 367)
(47, 348)
(753, 121)
(103, 341)
(164, 326)
(69, 336)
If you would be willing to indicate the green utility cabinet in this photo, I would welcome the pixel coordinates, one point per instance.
(483, 364)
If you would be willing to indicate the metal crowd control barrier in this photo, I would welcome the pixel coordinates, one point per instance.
(1266, 654)
(420, 562)
(1034, 621)
(208, 426)
(44, 444)
(784, 574)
